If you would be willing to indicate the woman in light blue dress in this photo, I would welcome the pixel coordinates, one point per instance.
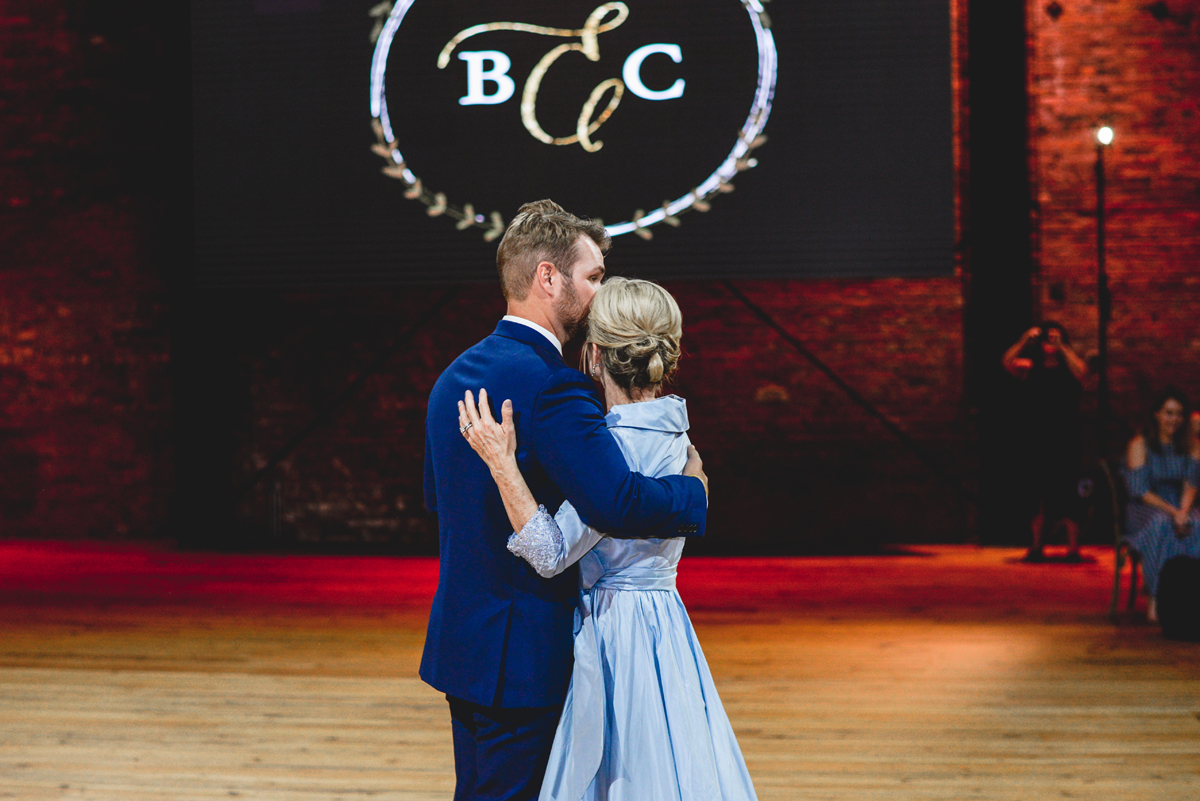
(642, 719)
(1161, 473)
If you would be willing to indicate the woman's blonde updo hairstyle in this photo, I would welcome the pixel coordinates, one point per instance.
(638, 326)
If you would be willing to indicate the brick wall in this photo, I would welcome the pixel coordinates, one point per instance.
(86, 414)
(85, 409)
(1135, 67)
(84, 385)
(795, 464)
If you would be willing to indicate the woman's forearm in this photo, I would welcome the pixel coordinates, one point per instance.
(1075, 364)
(518, 500)
(1188, 500)
(1009, 360)
(1150, 499)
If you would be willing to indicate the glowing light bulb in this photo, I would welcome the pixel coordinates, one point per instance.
(1104, 136)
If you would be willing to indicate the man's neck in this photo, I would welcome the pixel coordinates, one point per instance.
(535, 313)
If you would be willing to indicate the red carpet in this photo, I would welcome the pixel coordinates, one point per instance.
(962, 582)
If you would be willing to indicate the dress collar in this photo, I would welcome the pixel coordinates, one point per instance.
(668, 413)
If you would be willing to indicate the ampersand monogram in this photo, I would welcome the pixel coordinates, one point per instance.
(603, 19)
(659, 68)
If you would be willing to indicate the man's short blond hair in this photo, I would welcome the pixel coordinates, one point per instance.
(542, 231)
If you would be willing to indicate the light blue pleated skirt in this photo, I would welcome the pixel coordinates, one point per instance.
(642, 719)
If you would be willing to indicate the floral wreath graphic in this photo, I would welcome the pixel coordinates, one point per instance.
(388, 17)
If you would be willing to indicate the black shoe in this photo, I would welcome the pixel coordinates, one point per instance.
(1034, 555)
(1073, 558)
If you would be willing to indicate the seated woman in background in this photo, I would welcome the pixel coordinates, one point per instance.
(1162, 468)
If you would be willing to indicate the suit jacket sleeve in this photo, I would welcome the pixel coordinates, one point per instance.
(574, 446)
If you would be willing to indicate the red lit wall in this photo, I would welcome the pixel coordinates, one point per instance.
(85, 411)
(1135, 67)
(84, 372)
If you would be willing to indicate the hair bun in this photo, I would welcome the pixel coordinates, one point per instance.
(637, 325)
(654, 370)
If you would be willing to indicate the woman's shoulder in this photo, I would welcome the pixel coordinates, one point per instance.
(1135, 452)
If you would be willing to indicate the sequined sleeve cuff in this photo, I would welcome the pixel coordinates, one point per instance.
(539, 543)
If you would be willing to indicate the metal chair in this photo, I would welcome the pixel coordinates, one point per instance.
(1122, 553)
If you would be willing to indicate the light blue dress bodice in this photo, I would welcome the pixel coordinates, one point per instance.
(653, 437)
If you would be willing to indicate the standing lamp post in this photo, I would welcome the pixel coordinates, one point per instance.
(1104, 138)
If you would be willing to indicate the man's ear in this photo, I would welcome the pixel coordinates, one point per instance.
(548, 278)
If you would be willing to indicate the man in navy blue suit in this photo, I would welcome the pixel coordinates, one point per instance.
(499, 643)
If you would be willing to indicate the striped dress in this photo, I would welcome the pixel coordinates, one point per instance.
(1150, 531)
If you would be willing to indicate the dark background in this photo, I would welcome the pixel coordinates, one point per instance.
(856, 179)
(136, 402)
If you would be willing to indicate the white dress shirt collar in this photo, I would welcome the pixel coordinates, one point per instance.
(553, 339)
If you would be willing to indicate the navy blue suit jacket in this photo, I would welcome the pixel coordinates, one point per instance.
(499, 634)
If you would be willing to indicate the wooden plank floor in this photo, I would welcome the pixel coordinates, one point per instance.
(948, 672)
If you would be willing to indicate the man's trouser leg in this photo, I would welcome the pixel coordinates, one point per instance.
(500, 754)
